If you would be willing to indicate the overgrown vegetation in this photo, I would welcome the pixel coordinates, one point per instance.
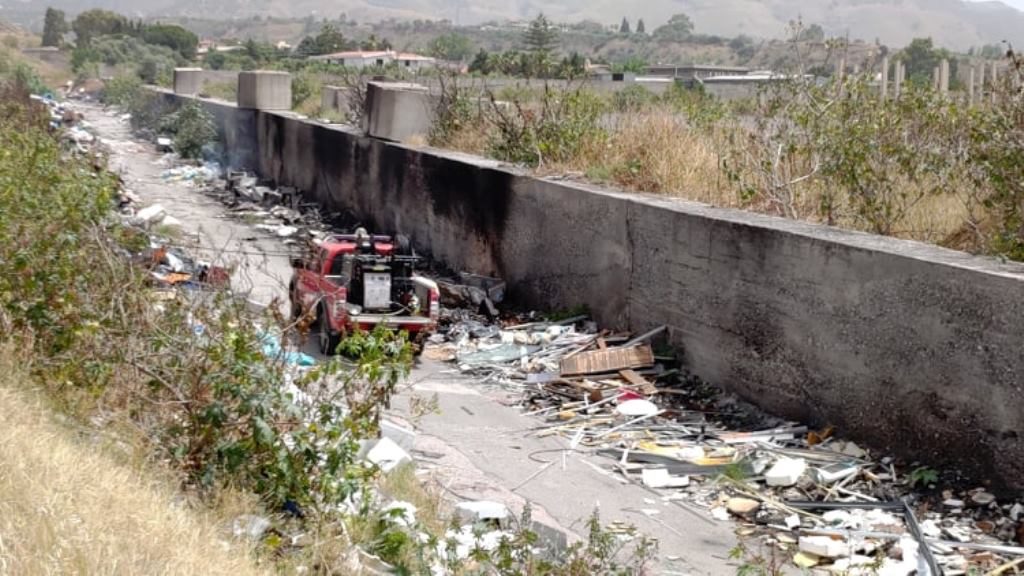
(198, 383)
(924, 166)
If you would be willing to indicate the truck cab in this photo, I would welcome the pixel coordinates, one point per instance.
(358, 281)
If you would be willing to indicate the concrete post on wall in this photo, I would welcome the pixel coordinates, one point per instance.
(898, 80)
(970, 88)
(981, 83)
(398, 111)
(944, 77)
(935, 79)
(188, 81)
(885, 77)
(265, 90)
(995, 80)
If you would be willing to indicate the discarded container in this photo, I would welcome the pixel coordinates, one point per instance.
(635, 408)
(786, 472)
(660, 478)
(823, 546)
(387, 455)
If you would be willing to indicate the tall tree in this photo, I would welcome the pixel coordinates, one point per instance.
(541, 37)
(93, 23)
(678, 28)
(175, 37)
(640, 28)
(624, 27)
(453, 47)
(921, 57)
(54, 27)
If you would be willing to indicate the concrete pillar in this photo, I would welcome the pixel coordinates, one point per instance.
(944, 77)
(935, 79)
(188, 81)
(398, 111)
(898, 80)
(265, 90)
(970, 88)
(885, 77)
(981, 83)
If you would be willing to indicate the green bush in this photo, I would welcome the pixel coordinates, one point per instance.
(192, 127)
(554, 129)
(121, 91)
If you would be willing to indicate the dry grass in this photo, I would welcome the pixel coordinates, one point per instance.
(67, 506)
(656, 150)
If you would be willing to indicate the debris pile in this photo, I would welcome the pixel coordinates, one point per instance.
(817, 500)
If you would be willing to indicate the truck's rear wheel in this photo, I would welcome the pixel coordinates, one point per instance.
(329, 339)
(296, 306)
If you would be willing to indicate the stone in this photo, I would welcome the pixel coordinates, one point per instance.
(742, 506)
(149, 214)
(786, 472)
(953, 503)
(982, 498)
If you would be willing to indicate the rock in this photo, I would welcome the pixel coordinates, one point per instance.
(169, 220)
(150, 214)
(853, 451)
(982, 498)
(742, 506)
(953, 503)
(1016, 512)
(250, 526)
(805, 560)
(786, 472)
(823, 546)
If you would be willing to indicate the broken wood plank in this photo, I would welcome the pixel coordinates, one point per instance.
(642, 385)
(609, 360)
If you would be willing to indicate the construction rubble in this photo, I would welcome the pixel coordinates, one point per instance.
(812, 499)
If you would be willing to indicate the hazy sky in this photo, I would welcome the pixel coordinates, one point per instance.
(1018, 4)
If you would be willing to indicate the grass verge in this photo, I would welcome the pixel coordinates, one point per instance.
(68, 506)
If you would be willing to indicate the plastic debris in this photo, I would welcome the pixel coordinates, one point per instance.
(387, 455)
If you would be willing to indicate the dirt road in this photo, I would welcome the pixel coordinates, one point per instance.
(478, 446)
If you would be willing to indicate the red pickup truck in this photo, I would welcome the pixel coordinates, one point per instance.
(351, 281)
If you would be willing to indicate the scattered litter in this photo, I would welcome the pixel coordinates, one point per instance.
(387, 455)
(482, 511)
(786, 472)
(660, 478)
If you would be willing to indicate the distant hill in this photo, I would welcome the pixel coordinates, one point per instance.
(952, 23)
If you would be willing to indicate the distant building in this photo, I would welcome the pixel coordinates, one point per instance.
(282, 45)
(695, 71)
(361, 59)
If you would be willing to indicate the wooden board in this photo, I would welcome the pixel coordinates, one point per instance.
(609, 360)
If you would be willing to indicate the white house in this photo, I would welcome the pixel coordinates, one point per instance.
(360, 59)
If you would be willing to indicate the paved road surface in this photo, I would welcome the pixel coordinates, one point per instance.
(479, 445)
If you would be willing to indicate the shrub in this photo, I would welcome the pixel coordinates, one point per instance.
(192, 127)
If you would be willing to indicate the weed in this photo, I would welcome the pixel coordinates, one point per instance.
(922, 477)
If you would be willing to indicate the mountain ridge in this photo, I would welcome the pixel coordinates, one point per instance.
(952, 23)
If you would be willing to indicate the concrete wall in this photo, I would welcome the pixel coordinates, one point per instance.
(913, 349)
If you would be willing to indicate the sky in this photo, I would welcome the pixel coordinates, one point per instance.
(1018, 4)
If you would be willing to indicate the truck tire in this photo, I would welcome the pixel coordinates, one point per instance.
(294, 301)
(329, 339)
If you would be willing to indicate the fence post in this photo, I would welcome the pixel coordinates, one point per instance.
(885, 77)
